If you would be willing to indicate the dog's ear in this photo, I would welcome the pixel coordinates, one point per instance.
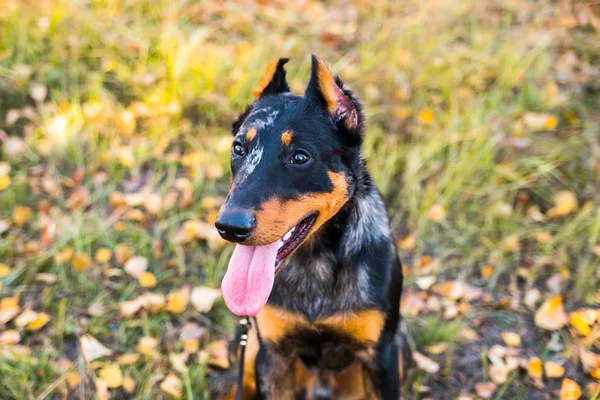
(328, 91)
(273, 82)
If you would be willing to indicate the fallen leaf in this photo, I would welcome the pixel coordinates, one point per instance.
(92, 349)
(123, 253)
(147, 280)
(128, 358)
(136, 266)
(551, 315)
(565, 202)
(178, 300)
(9, 308)
(146, 345)
(203, 298)
(178, 361)
(498, 373)
(534, 369)
(426, 116)
(10, 337)
(485, 390)
(426, 364)
(553, 369)
(436, 213)
(569, 390)
(511, 338)
(578, 321)
(63, 256)
(39, 322)
(171, 385)
(4, 181)
(436, 348)
(112, 375)
(21, 215)
(81, 261)
(73, 379)
(25, 317)
(219, 354)
(103, 255)
(128, 384)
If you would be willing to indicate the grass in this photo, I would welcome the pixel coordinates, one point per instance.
(479, 115)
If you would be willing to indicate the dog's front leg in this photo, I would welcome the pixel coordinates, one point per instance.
(387, 372)
(275, 374)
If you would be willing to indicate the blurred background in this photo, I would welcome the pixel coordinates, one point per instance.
(483, 135)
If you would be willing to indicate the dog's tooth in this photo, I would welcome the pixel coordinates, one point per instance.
(287, 235)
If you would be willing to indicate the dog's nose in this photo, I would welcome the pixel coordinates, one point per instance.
(235, 226)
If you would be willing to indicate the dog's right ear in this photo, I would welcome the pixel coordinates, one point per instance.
(273, 82)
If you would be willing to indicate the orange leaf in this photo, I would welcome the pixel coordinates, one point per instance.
(570, 390)
(551, 315)
(112, 375)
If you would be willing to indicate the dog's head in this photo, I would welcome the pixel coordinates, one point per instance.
(294, 164)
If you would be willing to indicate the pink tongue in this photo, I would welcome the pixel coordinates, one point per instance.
(249, 278)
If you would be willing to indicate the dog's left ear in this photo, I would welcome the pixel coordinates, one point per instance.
(273, 81)
(328, 91)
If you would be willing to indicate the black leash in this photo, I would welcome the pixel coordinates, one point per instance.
(244, 327)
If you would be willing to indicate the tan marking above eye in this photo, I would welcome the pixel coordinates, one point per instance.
(286, 138)
(250, 134)
(277, 216)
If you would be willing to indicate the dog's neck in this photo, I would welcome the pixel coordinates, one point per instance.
(330, 270)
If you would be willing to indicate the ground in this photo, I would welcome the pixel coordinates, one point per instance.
(483, 136)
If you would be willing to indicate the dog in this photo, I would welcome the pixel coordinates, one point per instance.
(315, 264)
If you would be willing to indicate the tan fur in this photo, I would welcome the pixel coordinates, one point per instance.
(365, 326)
(327, 85)
(286, 138)
(250, 134)
(277, 217)
(266, 79)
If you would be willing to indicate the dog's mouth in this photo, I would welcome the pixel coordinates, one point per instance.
(294, 238)
(251, 272)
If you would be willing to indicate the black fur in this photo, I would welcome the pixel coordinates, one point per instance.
(350, 264)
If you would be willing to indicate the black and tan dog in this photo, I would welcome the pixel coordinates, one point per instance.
(315, 262)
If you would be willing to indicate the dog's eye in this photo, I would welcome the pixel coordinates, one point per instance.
(238, 149)
(300, 158)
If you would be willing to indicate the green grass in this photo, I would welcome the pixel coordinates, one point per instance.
(447, 88)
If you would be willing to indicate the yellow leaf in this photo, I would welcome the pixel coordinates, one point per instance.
(103, 255)
(146, 345)
(191, 346)
(73, 379)
(178, 300)
(147, 280)
(570, 390)
(577, 320)
(511, 338)
(63, 256)
(534, 369)
(81, 261)
(436, 213)
(126, 157)
(551, 123)
(38, 323)
(123, 253)
(9, 337)
(5, 270)
(487, 271)
(595, 374)
(553, 369)
(128, 384)
(4, 182)
(551, 315)
(171, 385)
(125, 122)
(21, 215)
(426, 116)
(128, 358)
(565, 202)
(112, 375)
